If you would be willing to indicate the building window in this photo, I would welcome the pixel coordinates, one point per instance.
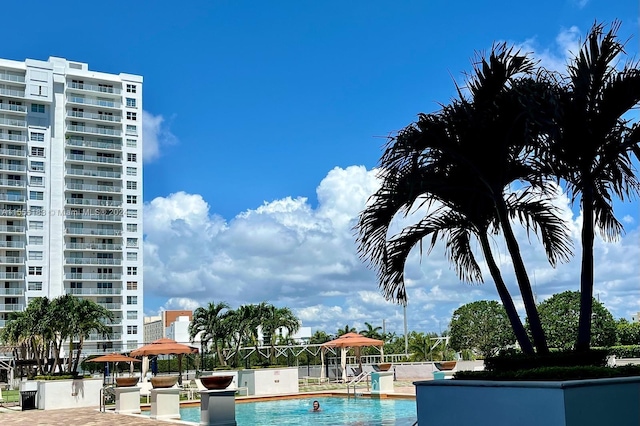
(131, 102)
(131, 129)
(132, 157)
(37, 151)
(36, 180)
(37, 166)
(132, 285)
(131, 88)
(132, 199)
(132, 329)
(36, 240)
(132, 116)
(36, 224)
(35, 270)
(132, 300)
(36, 211)
(132, 214)
(132, 227)
(34, 286)
(132, 315)
(132, 242)
(132, 270)
(132, 143)
(36, 195)
(132, 185)
(37, 137)
(37, 108)
(35, 255)
(132, 255)
(132, 171)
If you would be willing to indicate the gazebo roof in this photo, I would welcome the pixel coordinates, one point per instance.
(353, 340)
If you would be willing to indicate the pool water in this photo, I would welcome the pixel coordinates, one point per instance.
(334, 411)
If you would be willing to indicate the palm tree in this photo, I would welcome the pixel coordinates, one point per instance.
(208, 322)
(87, 317)
(273, 320)
(242, 325)
(371, 331)
(346, 330)
(595, 145)
(460, 164)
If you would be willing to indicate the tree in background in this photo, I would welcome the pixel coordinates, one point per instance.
(627, 333)
(559, 315)
(372, 332)
(345, 330)
(481, 326)
(209, 322)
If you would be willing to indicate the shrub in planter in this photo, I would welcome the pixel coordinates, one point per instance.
(514, 361)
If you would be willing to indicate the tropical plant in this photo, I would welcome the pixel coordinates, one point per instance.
(627, 333)
(273, 320)
(481, 326)
(208, 321)
(594, 145)
(560, 313)
(345, 330)
(372, 332)
(459, 165)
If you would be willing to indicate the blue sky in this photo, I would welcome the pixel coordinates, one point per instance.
(265, 120)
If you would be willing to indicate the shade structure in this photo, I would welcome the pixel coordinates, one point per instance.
(114, 357)
(166, 346)
(350, 340)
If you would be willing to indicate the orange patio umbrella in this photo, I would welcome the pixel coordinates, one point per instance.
(114, 357)
(166, 346)
(350, 340)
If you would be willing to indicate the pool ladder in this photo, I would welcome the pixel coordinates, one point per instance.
(355, 381)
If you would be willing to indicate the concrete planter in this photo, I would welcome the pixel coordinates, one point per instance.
(71, 393)
(572, 403)
(269, 381)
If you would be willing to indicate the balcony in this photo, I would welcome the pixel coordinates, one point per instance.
(9, 76)
(13, 167)
(95, 188)
(94, 173)
(111, 305)
(93, 246)
(91, 261)
(11, 275)
(93, 202)
(93, 116)
(12, 137)
(98, 217)
(12, 307)
(99, 88)
(112, 336)
(92, 276)
(13, 122)
(91, 101)
(13, 152)
(12, 182)
(94, 158)
(93, 291)
(12, 229)
(92, 143)
(11, 291)
(12, 244)
(12, 92)
(11, 259)
(93, 130)
(13, 107)
(92, 231)
(13, 197)
(14, 213)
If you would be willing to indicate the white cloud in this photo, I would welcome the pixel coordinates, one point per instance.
(555, 58)
(290, 254)
(156, 135)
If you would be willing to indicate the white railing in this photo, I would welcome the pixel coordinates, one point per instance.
(93, 202)
(93, 130)
(93, 231)
(95, 88)
(13, 122)
(8, 76)
(91, 101)
(11, 259)
(12, 92)
(94, 158)
(13, 152)
(13, 107)
(13, 167)
(92, 261)
(90, 143)
(13, 137)
(93, 246)
(98, 188)
(12, 182)
(94, 291)
(94, 116)
(92, 276)
(93, 173)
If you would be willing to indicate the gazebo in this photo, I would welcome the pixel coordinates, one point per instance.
(346, 341)
(165, 346)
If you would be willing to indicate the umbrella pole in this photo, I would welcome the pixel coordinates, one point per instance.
(180, 369)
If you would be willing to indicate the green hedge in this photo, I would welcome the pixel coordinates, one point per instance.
(629, 351)
(552, 373)
(514, 360)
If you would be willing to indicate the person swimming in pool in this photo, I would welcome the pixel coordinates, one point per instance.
(316, 406)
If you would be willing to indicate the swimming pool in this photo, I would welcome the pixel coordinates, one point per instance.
(335, 411)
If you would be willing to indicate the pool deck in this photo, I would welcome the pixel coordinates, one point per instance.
(92, 416)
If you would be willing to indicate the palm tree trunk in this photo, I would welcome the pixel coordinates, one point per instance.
(586, 273)
(505, 297)
(539, 339)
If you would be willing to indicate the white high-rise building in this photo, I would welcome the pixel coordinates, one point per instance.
(71, 191)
